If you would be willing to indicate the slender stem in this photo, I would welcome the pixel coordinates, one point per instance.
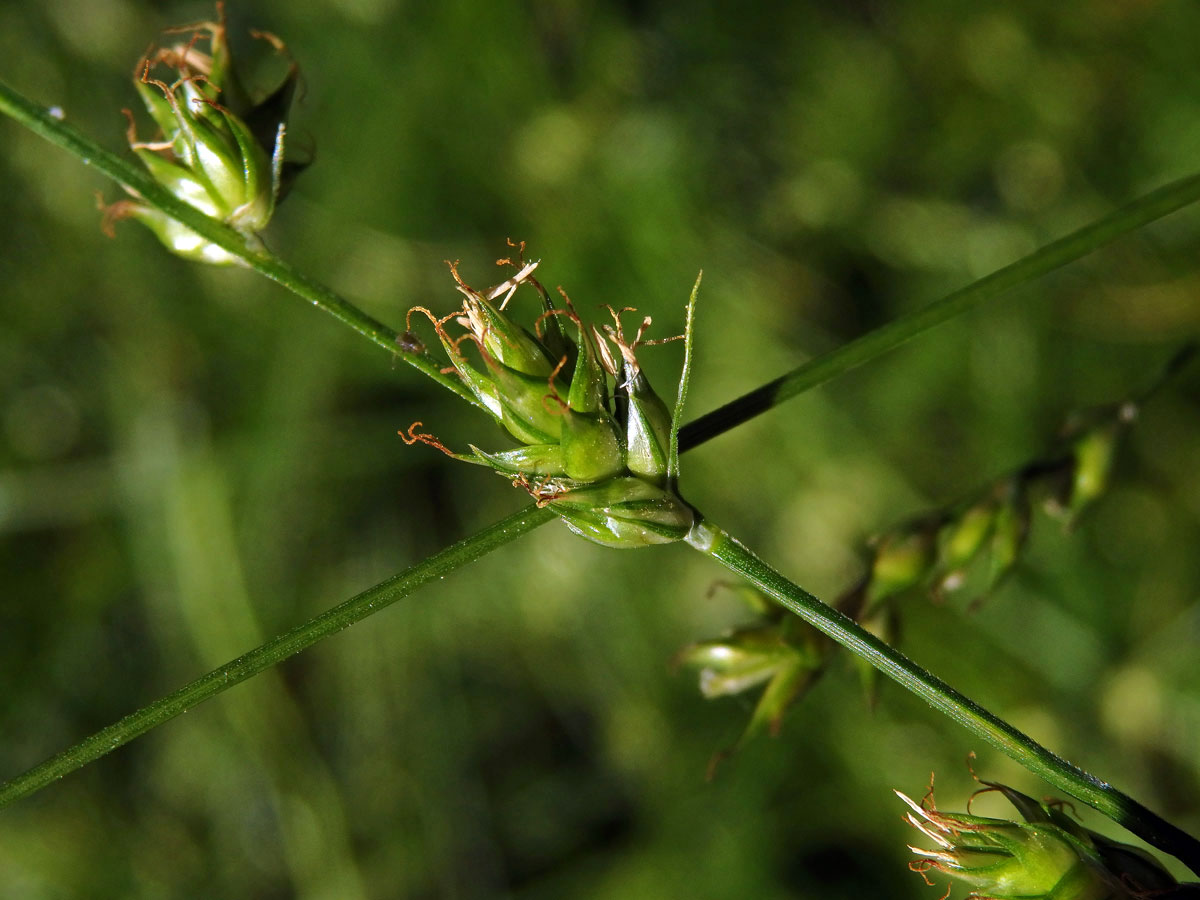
(1127, 812)
(67, 136)
(272, 652)
(1055, 255)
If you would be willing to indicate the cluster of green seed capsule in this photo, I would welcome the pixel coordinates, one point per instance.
(217, 150)
(597, 443)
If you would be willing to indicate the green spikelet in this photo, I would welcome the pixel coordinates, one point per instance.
(600, 456)
(216, 150)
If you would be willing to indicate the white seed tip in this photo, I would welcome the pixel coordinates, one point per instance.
(510, 284)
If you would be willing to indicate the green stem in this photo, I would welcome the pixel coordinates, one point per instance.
(712, 541)
(1055, 255)
(71, 139)
(274, 651)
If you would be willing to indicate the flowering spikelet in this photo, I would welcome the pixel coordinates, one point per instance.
(779, 652)
(595, 437)
(1048, 856)
(216, 149)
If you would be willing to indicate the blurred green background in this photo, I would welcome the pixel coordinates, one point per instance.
(191, 460)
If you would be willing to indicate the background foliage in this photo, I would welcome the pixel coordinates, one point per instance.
(191, 461)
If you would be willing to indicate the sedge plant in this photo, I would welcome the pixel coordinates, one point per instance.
(595, 445)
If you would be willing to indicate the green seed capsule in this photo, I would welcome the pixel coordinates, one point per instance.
(525, 401)
(514, 400)
(647, 428)
(960, 543)
(536, 460)
(590, 438)
(1094, 454)
(591, 450)
(903, 559)
(625, 512)
(552, 335)
(743, 660)
(589, 382)
(506, 341)
(787, 660)
(962, 538)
